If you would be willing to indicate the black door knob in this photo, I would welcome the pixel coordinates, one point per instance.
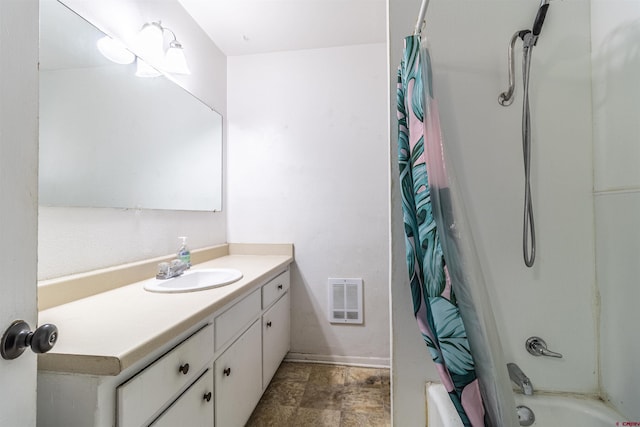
(19, 336)
(207, 397)
(43, 338)
(227, 371)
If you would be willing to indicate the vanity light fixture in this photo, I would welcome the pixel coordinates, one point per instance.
(175, 61)
(151, 44)
(115, 51)
(145, 70)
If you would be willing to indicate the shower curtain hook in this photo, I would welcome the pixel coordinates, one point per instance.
(421, 17)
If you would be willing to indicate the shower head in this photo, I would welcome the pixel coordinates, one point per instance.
(530, 39)
(542, 13)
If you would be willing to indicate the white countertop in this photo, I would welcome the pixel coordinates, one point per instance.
(106, 333)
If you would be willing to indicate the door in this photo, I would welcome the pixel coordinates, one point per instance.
(18, 200)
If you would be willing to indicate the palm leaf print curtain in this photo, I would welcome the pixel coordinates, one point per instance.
(451, 308)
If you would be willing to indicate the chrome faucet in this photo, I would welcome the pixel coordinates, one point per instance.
(520, 379)
(174, 269)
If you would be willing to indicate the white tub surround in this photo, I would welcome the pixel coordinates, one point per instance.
(468, 79)
(107, 332)
(550, 409)
(570, 410)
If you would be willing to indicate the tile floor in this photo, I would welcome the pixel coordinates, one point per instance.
(309, 394)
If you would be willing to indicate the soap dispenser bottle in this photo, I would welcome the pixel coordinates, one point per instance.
(184, 254)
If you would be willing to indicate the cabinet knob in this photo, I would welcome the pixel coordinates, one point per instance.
(184, 368)
(227, 371)
(207, 397)
(279, 287)
(269, 324)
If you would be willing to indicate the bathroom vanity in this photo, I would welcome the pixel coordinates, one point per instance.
(128, 357)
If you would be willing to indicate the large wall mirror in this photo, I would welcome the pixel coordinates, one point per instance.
(111, 139)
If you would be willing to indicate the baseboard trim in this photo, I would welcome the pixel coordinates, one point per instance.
(367, 362)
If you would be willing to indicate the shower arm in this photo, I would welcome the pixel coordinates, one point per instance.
(506, 98)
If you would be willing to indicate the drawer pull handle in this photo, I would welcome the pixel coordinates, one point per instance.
(184, 368)
(207, 397)
(227, 371)
(269, 324)
(279, 287)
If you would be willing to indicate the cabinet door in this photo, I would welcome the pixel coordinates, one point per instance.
(275, 337)
(238, 373)
(194, 408)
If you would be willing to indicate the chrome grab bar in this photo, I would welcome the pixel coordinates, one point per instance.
(506, 98)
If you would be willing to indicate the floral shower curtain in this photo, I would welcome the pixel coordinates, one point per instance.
(452, 310)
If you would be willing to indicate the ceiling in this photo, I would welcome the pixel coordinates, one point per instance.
(244, 27)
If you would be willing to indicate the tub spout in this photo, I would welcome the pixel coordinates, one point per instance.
(520, 379)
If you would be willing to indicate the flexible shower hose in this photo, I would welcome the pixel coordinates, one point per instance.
(528, 227)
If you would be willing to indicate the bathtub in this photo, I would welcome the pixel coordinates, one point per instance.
(550, 410)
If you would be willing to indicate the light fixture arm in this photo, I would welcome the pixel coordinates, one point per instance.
(152, 45)
(162, 28)
(175, 39)
(152, 23)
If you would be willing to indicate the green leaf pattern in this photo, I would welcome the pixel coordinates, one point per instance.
(438, 317)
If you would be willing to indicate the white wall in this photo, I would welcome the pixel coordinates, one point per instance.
(81, 239)
(616, 66)
(308, 165)
(555, 299)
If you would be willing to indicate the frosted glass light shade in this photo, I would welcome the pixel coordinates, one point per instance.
(145, 70)
(151, 43)
(174, 60)
(115, 51)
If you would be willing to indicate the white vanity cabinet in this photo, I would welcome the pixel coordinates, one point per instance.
(211, 375)
(245, 368)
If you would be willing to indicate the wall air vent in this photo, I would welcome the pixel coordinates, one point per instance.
(345, 301)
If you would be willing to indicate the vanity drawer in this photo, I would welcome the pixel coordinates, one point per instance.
(234, 320)
(194, 408)
(274, 289)
(144, 394)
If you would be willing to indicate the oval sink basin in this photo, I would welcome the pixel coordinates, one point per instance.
(195, 280)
